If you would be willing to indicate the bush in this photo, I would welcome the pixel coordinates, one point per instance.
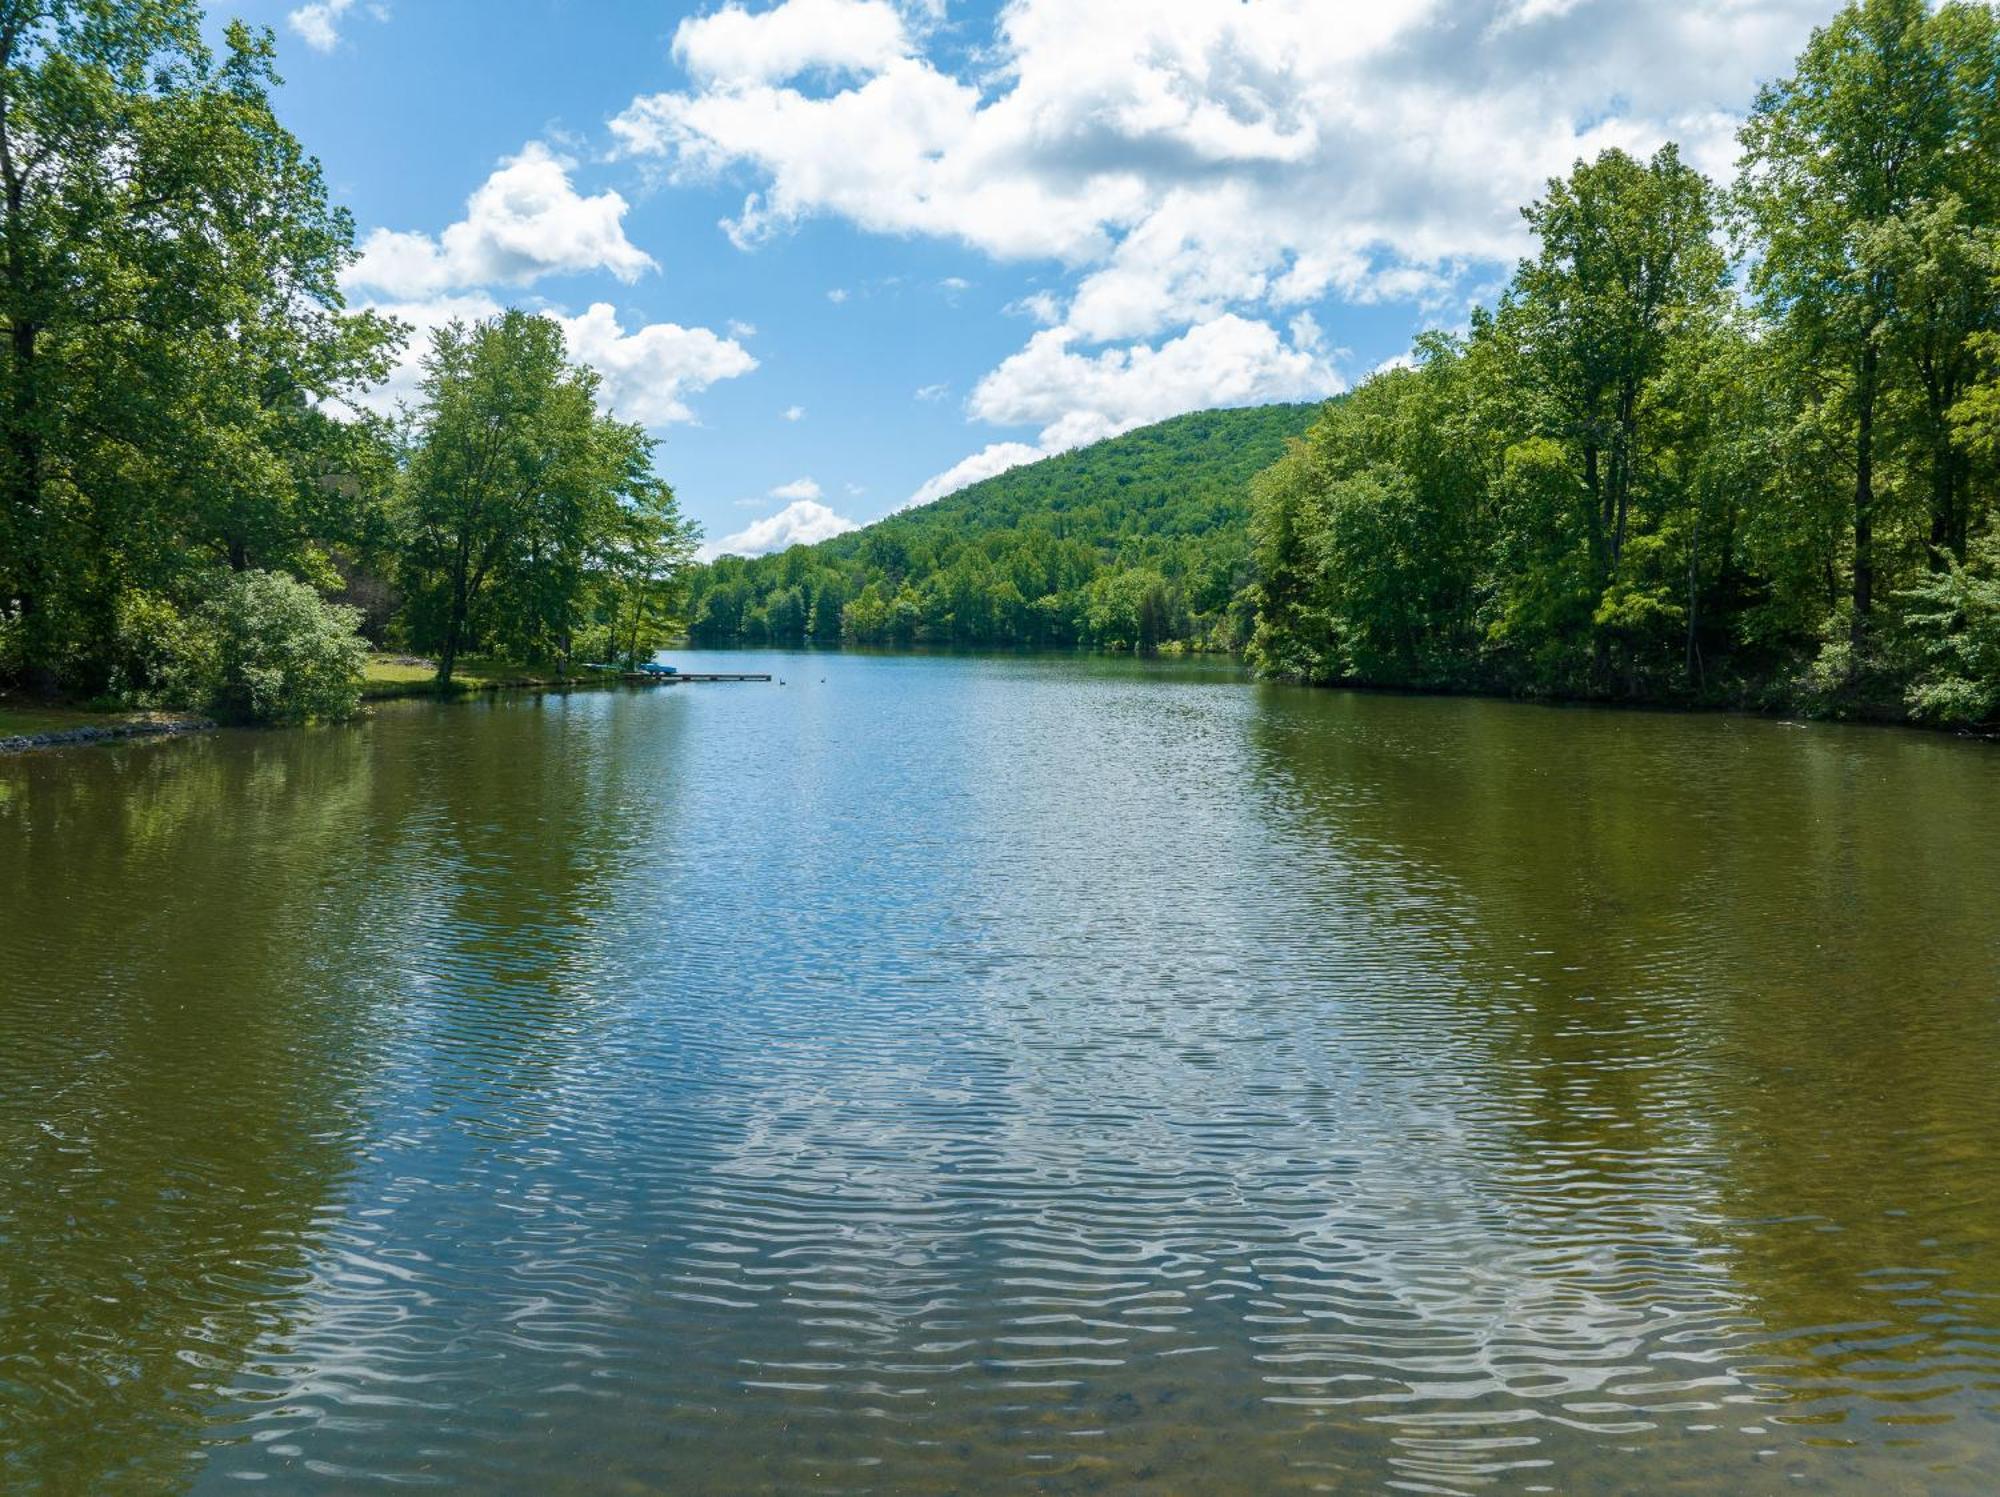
(161, 657)
(282, 653)
(1956, 616)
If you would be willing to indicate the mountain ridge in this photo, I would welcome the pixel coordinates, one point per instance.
(1136, 541)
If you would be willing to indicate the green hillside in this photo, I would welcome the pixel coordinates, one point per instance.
(1137, 541)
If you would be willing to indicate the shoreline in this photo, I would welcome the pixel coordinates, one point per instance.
(1668, 706)
(88, 734)
(379, 690)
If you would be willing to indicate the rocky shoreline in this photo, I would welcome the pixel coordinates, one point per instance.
(63, 738)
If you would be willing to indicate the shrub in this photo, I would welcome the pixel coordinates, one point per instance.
(1956, 615)
(161, 657)
(282, 653)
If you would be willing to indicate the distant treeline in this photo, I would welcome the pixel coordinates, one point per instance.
(1633, 480)
(1135, 542)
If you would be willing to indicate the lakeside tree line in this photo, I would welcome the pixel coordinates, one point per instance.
(1133, 543)
(1715, 443)
(196, 509)
(1718, 444)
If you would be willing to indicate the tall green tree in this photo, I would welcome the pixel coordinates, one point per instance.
(523, 504)
(173, 323)
(641, 564)
(1851, 169)
(1627, 266)
(1943, 261)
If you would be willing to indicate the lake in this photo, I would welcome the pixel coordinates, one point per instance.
(965, 1074)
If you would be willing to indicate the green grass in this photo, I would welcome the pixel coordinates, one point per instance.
(23, 721)
(384, 677)
(20, 722)
(382, 670)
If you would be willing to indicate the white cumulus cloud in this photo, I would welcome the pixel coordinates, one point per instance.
(1191, 157)
(800, 523)
(525, 221)
(1199, 172)
(997, 457)
(1077, 397)
(798, 488)
(650, 371)
(732, 46)
(318, 24)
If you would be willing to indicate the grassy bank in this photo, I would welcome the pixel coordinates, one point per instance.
(27, 723)
(389, 676)
(34, 722)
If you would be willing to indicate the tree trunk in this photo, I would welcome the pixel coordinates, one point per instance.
(454, 629)
(1694, 600)
(1864, 501)
(1600, 572)
(24, 504)
(1948, 525)
(1621, 474)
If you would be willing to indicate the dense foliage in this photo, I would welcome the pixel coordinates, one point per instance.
(1135, 542)
(1626, 481)
(184, 466)
(174, 330)
(533, 521)
(281, 652)
(1654, 470)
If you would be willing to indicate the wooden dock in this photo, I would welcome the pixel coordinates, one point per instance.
(644, 678)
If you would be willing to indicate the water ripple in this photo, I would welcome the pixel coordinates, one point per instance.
(971, 1075)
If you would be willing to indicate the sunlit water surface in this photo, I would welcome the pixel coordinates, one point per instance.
(973, 1075)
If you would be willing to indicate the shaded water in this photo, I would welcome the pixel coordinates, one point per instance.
(1002, 1075)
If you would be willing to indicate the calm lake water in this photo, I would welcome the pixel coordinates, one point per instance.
(1002, 1075)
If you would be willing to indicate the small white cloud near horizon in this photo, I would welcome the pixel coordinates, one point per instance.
(996, 457)
(803, 522)
(794, 413)
(798, 488)
(1077, 398)
(934, 392)
(525, 221)
(1082, 397)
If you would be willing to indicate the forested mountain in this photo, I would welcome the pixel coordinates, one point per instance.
(1137, 541)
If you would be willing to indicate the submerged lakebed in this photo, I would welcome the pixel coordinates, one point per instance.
(997, 1074)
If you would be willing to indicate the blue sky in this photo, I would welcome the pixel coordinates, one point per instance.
(844, 254)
